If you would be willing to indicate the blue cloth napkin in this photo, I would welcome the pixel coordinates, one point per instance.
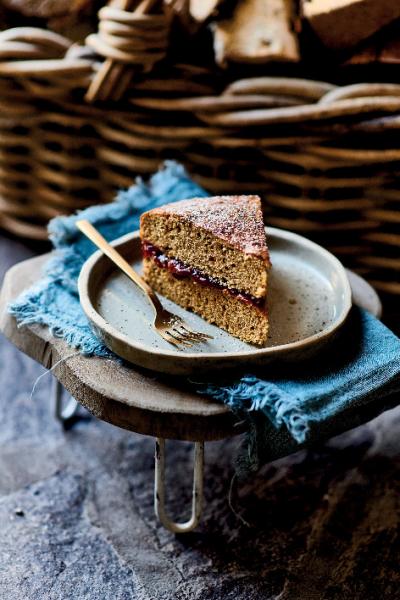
(355, 379)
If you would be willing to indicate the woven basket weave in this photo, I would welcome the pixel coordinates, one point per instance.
(324, 158)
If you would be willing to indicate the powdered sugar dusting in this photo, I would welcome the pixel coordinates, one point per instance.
(236, 220)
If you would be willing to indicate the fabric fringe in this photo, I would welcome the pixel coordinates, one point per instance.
(280, 407)
(54, 301)
(59, 362)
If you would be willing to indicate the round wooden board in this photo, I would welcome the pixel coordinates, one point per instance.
(128, 397)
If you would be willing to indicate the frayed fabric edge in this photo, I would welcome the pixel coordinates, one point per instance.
(252, 394)
(28, 311)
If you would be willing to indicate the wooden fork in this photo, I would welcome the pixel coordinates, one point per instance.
(171, 327)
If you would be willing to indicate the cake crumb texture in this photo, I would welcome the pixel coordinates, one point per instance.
(242, 320)
(223, 236)
(236, 220)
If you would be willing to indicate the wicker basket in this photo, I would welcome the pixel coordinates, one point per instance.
(324, 158)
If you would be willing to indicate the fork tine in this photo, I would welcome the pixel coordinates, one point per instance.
(199, 334)
(187, 338)
(176, 340)
(180, 338)
(168, 338)
(186, 326)
(188, 335)
(196, 334)
(192, 337)
(177, 327)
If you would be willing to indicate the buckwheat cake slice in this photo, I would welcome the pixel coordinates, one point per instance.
(210, 256)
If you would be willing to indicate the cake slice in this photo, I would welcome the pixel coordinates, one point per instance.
(210, 256)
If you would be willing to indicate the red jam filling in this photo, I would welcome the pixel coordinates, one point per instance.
(180, 271)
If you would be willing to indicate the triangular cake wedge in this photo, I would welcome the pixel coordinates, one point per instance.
(210, 256)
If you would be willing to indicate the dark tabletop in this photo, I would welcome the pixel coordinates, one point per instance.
(77, 520)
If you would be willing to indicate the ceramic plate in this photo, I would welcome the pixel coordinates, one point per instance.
(309, 298)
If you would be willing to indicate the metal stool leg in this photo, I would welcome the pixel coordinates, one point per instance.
(63, 413)
(159, 488)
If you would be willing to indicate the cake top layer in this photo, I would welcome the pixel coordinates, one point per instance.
(236, 220)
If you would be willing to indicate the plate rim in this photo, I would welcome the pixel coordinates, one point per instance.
(95, 317)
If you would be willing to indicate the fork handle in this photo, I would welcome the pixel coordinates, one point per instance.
(98, 240)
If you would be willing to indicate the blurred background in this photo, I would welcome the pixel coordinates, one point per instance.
(289, 100)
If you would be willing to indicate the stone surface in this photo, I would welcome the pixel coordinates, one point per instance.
(77, 521)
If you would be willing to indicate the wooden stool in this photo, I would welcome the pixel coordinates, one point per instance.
(129, 397)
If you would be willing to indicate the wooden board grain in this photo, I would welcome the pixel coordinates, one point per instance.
(128, 397)
(124, 396)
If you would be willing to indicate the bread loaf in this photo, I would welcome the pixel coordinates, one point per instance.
(345, 23)
(258, 31)
(46, 9)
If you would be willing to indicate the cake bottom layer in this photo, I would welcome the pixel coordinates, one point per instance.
(245, 321)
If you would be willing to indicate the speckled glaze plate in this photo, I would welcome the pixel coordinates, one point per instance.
(309, 298)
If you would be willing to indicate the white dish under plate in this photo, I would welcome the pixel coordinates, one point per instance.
(309, 298)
